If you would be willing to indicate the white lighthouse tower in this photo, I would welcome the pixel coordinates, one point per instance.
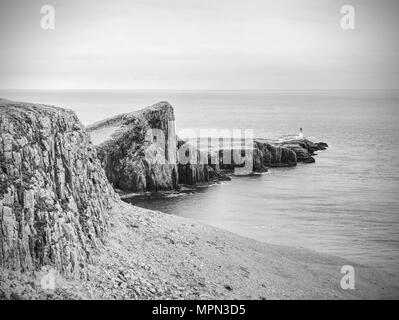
(300, 135)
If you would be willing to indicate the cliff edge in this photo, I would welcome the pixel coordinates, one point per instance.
(139, 151)
(54, 195)
(132, 157)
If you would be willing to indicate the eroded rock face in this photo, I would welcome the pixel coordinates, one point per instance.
(268, 155)
(139, 152)
(275, 154)
(132, 157)
(304, 149)
(264, 155)
(54, 195)
(196, 166)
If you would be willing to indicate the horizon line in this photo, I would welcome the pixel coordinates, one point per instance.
(229, 90)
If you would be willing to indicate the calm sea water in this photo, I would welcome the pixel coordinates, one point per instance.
(346, 204)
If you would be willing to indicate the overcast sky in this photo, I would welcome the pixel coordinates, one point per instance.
(199, 44)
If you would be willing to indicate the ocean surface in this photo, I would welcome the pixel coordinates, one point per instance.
(346, 204)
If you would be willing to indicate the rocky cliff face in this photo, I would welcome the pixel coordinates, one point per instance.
(276, 154)
(54, 195)
(267, 155)
(198, 166)
(264, 156)
(138, 149)
(304, 149)
(139, 152)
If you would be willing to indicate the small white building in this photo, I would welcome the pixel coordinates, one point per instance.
(300, 135)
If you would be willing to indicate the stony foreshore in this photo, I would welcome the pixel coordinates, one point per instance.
(151, 255)
(61, 219)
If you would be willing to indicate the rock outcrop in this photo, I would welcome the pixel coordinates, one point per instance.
(304, 149)
(198, 166)
(139, 152)
(264, 156)
(138, 149)
(268, 154)
(54, 195)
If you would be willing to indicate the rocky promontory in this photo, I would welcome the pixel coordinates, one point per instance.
(140, 151)
(131, 160)
(65, 234)
(304, 149)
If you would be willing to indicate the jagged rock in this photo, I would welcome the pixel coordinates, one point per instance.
(304, 149)
(302, 154)
(198, 166)
(54, 195)
(272, 156)
(139, 151)
(128, 152)
(264, 156)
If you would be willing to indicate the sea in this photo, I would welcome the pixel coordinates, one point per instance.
(346, 204)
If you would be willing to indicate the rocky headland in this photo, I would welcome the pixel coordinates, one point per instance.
(141, 152)
(65, 233)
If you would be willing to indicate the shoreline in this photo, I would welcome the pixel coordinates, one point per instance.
(152, 255)
(186, 188)
(178, 202)
(224, 259)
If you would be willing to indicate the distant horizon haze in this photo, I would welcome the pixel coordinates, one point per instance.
(199, 45)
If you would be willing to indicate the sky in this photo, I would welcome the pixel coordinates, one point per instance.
(199, 44)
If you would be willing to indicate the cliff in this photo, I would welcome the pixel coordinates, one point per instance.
(54, 195)
(139, 151)
(264, 155)
(304, 148)
(197, 167)
(271, 154)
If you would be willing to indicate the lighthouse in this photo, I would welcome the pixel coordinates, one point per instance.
(300, 135)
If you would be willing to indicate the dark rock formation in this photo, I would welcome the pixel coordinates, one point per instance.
(267, 155)
(198, 167)
(138, 149)
(264, 156)
(139, 152)
(54, 195)
(304, 149)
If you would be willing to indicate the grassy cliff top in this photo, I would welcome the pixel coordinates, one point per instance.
(115, 121)
(9, 106)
